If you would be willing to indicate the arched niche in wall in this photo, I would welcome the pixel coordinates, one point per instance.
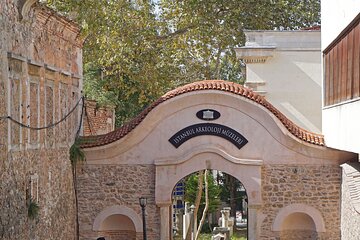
(24, 7)
(117, 222)
(110, 218)
(299, 217)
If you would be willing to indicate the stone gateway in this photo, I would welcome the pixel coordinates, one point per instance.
(292, 179)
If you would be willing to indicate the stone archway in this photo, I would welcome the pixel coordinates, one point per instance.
(247, 171)
(279, 164)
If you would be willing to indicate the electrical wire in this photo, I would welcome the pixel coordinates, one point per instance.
(81, 118)
(50, 125)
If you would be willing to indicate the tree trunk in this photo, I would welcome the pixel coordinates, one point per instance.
(206, 206)
(197, 204)
(232, 186)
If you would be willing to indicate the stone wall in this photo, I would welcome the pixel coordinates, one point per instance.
(350, 215)
(40, 81)
(120, 235)
(298, 235)
(314, 185)
(102, 186)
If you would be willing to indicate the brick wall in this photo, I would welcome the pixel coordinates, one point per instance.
(98, 120)
(40, 81)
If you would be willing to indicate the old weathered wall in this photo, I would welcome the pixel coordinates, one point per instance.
(313, 185)
(98, 120)
(40, 81)
(299, 235)
(102, 186)
(350, 205)
(350, 219)
(116, 235)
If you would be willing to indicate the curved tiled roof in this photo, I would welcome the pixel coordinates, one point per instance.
(302, 134)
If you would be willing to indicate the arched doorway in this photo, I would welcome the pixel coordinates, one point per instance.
(226, 205)
(246, 171)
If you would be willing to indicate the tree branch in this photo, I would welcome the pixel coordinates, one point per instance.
(177, 32)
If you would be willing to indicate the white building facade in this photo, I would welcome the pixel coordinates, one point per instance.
(285, 67)
(340, 118)
(341, 99)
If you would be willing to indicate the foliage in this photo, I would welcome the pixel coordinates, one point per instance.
(191, 187)
(76, 153)
(33, 209)
(135, 51)
(231, 191)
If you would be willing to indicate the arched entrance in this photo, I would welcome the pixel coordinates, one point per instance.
(225, 200)
(214, 125)
(168, 173)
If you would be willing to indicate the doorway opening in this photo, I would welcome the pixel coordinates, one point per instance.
(226, 207)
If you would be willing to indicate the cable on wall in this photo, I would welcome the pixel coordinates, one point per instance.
(50, 125)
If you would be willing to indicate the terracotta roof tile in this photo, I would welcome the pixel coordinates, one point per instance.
(302, 134)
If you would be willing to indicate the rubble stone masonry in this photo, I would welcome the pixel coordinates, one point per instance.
(313, 185)
(40, 81)
(102, 186)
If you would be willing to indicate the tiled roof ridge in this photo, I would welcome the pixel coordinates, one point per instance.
(352, 178)
(300, 133)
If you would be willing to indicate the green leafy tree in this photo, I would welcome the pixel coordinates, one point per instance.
(135, 51)
(232, 192)
(201, 191)
(191, 190)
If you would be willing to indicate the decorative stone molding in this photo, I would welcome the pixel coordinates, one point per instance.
(116, 209)
(198, 150)
(167, 175)
(258, 54)
(299, 208)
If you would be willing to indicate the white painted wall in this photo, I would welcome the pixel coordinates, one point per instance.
(340, 122)
(335, 16)
(341, 126)
(291, 77)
